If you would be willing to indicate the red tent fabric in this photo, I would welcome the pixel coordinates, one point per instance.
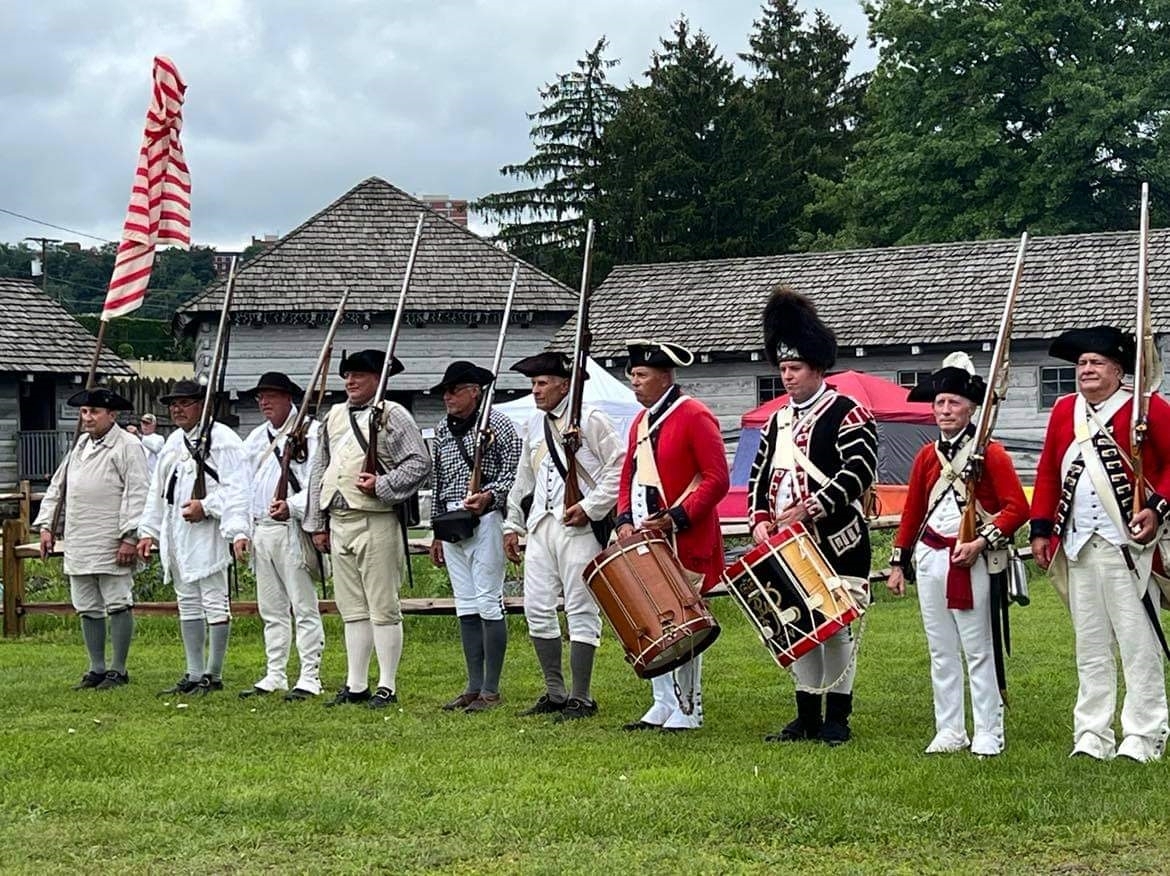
(885, 399)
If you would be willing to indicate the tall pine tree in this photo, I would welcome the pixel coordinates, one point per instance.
(801, 84)
(544, 223)
(681, 159)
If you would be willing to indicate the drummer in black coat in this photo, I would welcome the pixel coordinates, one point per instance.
(817, 458)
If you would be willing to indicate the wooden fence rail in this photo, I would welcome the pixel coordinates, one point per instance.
(18, 548)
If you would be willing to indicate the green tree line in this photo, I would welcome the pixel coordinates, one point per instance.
(79, 278)
(981, 119)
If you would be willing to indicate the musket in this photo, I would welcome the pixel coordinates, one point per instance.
(1145, 369)
(376, 404)
(571, 437)
(296, 445)
(483, 427)
(997, 385)
(202, 447)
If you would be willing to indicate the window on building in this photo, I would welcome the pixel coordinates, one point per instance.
(768, 388)
(1055, 381)
(910, 379)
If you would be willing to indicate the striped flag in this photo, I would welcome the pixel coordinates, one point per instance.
(160, 202)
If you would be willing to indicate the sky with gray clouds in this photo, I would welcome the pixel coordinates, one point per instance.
(291, 103)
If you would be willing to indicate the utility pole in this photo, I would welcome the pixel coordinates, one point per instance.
(44, 242)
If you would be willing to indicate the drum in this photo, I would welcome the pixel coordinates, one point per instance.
(791, 595)
(658, 616)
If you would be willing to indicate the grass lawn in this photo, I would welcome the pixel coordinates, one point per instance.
(123, 781)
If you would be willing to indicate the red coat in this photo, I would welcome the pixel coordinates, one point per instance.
(688, 442)
(998, 490)
(1155, 457)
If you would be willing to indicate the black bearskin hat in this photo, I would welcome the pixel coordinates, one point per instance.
(792, 330)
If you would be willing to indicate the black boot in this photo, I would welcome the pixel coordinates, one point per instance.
(838, 708)
(806, 725)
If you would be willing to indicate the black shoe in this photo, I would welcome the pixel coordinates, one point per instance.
(382, 698)
(838, 708)
(207, 685)
(114, 679)
(184, 685)
(793, 731)
(641, 725)
(90, 679)
(577, 708)
(345, 695)
(254, 691)
(835, 733)
(297, 694)
(808, 722)
(546, 705)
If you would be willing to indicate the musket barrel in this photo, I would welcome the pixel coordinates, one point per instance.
(216, 364)
(400, 308)
(497, 357)
(1142, 365)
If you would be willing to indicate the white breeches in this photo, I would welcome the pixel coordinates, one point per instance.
(829, 665)
(476, 567)
(554, 560)
(285, 593)
(99, 595)
(953, 635)
(1107, 613)
(203, 598)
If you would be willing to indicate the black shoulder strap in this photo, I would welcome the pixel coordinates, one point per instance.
(553, 450)
(293, 480)
(362, 441)
(463, 451)
(211, 472)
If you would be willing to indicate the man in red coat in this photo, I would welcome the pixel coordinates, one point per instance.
(674, 476)
(954, 580)
(1098, 550)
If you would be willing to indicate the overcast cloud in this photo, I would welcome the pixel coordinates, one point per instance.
(291, 103)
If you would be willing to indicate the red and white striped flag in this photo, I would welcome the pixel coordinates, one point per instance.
(160, 202)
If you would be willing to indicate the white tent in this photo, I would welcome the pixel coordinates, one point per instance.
(602, 390)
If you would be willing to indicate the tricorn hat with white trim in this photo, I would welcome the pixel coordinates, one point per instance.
(658, 354)
(956, 376)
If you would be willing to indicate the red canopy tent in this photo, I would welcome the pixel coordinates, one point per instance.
(885, 399)
(903, 427)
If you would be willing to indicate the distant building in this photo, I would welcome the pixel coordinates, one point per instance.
(446, 207)
(896, 312)
(223, 261)
(44, 358)
(285, 297)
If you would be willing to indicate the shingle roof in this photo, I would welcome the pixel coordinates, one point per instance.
(38, 335)
(937, 293)
(362, 240)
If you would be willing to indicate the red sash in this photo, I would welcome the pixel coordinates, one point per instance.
(959, 594)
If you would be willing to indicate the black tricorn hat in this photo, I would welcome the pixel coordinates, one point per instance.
(368, 362)
(99, 397)
(793, 331)
(1105, 340)
(184, 389)
(274, 380)
(956, 376)
(461, 371)
(658, 354)
(551, 364)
